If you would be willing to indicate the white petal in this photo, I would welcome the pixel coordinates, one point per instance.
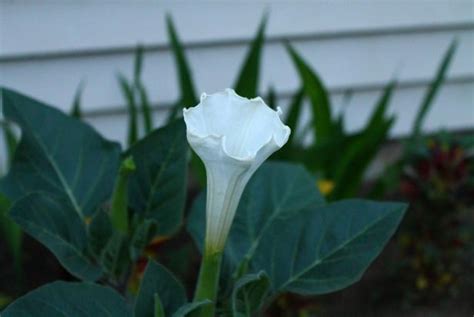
(246, 124)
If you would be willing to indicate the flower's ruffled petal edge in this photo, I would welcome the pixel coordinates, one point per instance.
(275, 141)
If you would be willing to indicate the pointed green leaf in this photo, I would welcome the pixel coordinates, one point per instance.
(158, 281)
(60, 299)
(188, 95)
(380, 111)
(59, 155)
(193, 309)
(271, 98)
(54, 222)
(323, 157)
(248, 78)
(249, 294)
(129, 96)
(187, 92)
(157, 189)
(433, 89)
(140, 91)
(145, 107)
(293, 115)
(76, 111)
(318, 96)
(138, 63)
(358, 154)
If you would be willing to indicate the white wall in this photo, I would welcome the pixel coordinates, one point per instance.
(48, 47)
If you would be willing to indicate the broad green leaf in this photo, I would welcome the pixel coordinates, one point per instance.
(58, 154)
(433, 89)
(248, 78)
(129, 96)
(157, 189)
(283, 227)
(99, 232)
(249, 294)
(188, 96)
(157, 280)
(54, 222)
(76, 111)
(318, 96)
(60, 299)
(275, 190)
(192, 309)
(11, 232)
(325, 248)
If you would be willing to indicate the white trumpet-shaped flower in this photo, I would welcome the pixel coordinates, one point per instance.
(233, 136)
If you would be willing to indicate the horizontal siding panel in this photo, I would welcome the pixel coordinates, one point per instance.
(453, 109)
(42, 27)
(342, 63)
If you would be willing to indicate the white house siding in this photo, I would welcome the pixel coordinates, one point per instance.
(48, 47)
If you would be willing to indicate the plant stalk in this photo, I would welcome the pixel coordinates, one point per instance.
(208, 281)
(119, 206)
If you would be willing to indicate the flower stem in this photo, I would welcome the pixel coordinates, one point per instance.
(208, 282)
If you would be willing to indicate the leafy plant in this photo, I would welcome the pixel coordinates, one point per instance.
(433, 90)
(439, 182)
(96, 207)
(337, 156)
(392, 175)
(137, 100)
(70, 178)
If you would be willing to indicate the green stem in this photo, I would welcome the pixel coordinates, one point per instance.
(208, 282)
(119, 206)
